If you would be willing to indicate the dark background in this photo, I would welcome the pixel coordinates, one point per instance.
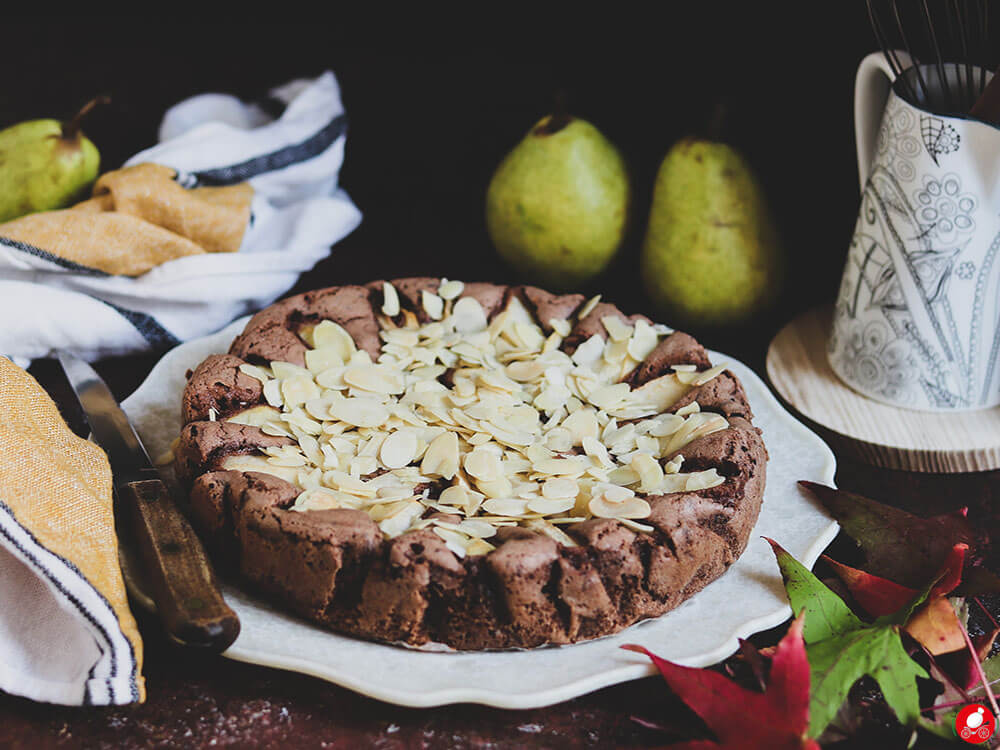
(433, 105)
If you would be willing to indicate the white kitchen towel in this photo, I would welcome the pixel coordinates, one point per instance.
(292, 161)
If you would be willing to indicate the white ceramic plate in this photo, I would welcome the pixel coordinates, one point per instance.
(702, 631)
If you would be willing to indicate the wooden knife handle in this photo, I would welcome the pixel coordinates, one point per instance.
(180, 576)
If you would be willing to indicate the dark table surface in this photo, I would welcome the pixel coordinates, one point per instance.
(430, 116)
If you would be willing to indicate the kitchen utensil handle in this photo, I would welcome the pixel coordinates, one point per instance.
(181, 578)
(871, 90)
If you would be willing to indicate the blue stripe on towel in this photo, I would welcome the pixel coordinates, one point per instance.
(86, 613)
(311, 147)
(150, 328)
(70, 265)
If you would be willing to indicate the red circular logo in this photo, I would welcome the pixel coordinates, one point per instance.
(975, 724)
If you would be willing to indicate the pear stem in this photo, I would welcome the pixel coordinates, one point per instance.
(559, 118)
(71, 129)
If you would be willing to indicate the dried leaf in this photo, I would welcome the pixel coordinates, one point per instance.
(842, 648)
(934, 624)
(897, 545)
(745, 719)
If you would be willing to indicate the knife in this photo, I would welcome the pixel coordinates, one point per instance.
(179, 575)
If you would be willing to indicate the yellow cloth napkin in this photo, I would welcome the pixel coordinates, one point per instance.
(138, 218)
(66, 632)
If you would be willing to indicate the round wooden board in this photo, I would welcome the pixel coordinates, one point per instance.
(878, 434)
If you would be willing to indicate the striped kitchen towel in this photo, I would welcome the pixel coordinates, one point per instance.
(288, 149)
(66, 632)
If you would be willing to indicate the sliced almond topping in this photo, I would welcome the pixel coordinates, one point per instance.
(328, 334)
(298, 389)
(272, 393)
(559, 488)
(449, 290)
(634, 507)
(506, 506)
(553, 532)
(617, 329)
(432, 304)
(494, 406)
(359, 412)
(442, 457)
(401, 518)
(390, 300)
(561, 326)
(398, 449)
(546, 506)
(468, 316)
(643, 341)
(256, 372)
(453, 540)
(255, 416)
(649, 470)
(483, 464)
(479, 547)
(260, 464)
(375, 379)
(589, 305)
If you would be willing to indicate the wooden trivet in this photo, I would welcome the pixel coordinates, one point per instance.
(881, 435)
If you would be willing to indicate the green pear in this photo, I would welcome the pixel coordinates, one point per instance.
(45, 164)
(711, 254)
(557, 205)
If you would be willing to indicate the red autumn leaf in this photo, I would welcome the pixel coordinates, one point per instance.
(937, 627)
(898, 545)
(877, 596)
(934, 624)
(742, 719)
(880, 596)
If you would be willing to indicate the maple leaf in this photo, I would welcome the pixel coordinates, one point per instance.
(934, 624)
(743, 719)
(897, 545)
(842, 648)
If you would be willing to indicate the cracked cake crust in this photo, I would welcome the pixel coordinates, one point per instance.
(336, 567)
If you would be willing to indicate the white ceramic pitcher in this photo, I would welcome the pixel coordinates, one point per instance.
(917, 320)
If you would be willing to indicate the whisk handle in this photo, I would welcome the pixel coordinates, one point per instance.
(871, 90)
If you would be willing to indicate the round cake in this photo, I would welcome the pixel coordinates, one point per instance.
(485, 467)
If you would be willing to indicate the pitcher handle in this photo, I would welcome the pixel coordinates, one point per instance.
(871, 90)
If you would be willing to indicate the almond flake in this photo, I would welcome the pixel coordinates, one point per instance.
(617, 329)
(432, 304)
(634, 507)
(479, 547)
(558, 488)
(390, 300)
(589, 305)
(328, 334)
(546, 506)
(441, 457)
(468, 316)
(272, 392)
(589, 351)
(255, 372)
(449, 290)
(506, 506)
(561, 326)
(360, 412)
(483, 464)
(643, 341)
(398, 449)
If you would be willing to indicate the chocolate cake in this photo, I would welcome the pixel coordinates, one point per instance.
(474, 465)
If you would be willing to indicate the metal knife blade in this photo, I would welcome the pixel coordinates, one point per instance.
(111, 427)
(180, 576)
